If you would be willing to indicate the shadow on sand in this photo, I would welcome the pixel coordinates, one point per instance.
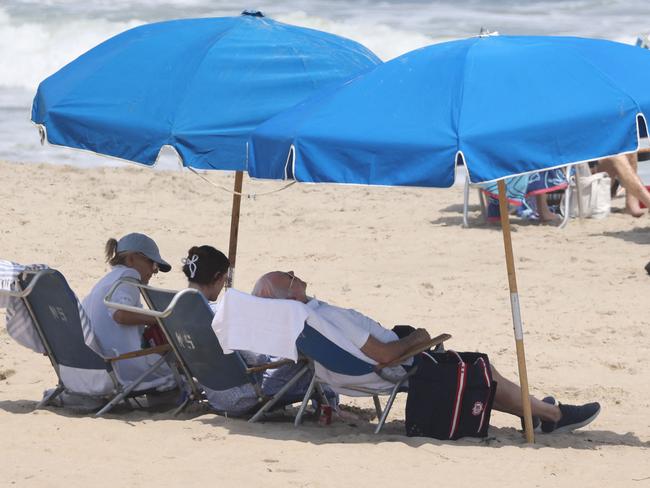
(279, 426)
(638, 235)
(119, 412)
(475, 219)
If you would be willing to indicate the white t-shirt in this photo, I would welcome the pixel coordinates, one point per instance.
(355, 327)
(115, 338)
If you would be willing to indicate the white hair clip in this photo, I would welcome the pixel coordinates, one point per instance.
(191, 264)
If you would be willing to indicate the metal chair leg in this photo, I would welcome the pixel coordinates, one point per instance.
(183, 405)
(122, 395)
(387, 408)
(375, 399)
(567, 201)
(278, 396)
(298, 420)
(466, 203)
(48, 398)
(321, 394)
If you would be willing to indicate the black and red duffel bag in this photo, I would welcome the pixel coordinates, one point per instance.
(450, 396)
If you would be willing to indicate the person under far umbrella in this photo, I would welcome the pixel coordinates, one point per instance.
(529, 193)
(384, 346)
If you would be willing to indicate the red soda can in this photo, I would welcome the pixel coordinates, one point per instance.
(325, 417)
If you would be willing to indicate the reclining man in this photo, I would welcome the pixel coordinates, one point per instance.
(383, 346)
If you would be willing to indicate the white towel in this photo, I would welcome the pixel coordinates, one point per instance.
(19, 323)
(261, 325)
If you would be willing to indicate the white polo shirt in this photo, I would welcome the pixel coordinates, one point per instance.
(355, 327)
(115, 338)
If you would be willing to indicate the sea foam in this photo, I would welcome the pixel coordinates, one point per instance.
(31, 51)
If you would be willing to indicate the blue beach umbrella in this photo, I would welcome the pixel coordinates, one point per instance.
(199, 86)
(503, 106)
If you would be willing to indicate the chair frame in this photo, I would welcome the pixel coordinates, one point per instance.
(398, 383)
(195, 394)
(121, 394)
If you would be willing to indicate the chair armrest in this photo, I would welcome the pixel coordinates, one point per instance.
(140, 286)
(417, 349)
(272, 365)
(142, 352)
(30, 287)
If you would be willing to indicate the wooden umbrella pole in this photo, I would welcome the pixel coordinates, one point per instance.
(516, 313)
(234, 227)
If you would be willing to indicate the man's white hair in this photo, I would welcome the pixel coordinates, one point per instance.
(267, 286)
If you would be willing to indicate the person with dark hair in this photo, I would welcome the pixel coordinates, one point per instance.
(206, 269)
(118, 331)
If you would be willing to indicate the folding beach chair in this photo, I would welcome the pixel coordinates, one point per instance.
(319, 348)
(57, 316)
(185, 318)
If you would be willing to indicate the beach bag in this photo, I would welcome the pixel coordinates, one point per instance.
(450, 396)
(595, 194)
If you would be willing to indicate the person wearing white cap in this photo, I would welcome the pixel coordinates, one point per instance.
(135, 256)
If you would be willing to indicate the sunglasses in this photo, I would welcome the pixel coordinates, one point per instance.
(150, 261)
(293, 277)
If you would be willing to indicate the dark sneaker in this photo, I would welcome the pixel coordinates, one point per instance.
(573, 417)
(537, 422)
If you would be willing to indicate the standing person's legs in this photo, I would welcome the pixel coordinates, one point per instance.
(624, 167)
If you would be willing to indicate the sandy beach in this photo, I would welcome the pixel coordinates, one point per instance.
(398, 255)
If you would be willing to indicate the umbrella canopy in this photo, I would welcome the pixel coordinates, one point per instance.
(503, 105)
(198, 85)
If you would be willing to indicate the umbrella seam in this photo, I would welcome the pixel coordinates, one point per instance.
(212, 43)
(335, 41)
(460, 109)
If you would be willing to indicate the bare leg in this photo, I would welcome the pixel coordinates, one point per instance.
(544, 212)
(624, 167)
(508, 399)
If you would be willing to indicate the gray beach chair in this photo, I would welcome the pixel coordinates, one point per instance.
(185, 317)
(55, 313)
(315, 346)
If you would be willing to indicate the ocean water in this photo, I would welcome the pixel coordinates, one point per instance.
(37, 37)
